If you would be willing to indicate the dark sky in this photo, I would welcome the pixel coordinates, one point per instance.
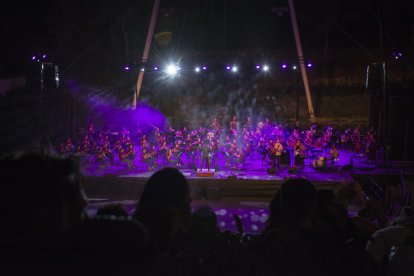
(102, 33)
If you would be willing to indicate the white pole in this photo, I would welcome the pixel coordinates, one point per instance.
(144, 59)
(301, 59)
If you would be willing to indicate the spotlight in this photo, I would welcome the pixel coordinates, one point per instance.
(197, 69)
(284, 66)
(172, 70)
(228, 67)
(142, 69)
(397, 55)
(265, 68)
(234, 69)
(257, 66)
(33, 57)
(309, 65)
(155, 68)
(204, 67)
(126, 68)
(44, 56)
(294, 67)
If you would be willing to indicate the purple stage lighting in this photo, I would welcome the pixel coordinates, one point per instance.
(126, 68)
(257, 66)
(155, 68)
(33, 57)
(44, 56)
(204, 67)
(284, 66)
(228, 67)
(309, 65)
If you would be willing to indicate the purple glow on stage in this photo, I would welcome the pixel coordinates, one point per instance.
(228, 67)
(204, 67)
(257, 66)
(284, 66)
(309, 65)
(115, 115)
(126, 68)
(44, 56)
(155, 68)
(33, 57)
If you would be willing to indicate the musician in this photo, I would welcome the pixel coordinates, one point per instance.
(206, 154)
(108, 152)
(299, 152)
(123, 157)
(163, 149)
(153, 158)
(69, 147)
(370, 143)
(262, 148)
(101, 158)
(334, 153)
(277, 153)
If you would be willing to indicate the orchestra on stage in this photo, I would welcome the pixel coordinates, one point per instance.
(236, 143)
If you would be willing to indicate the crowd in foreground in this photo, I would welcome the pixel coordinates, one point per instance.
(45, 230)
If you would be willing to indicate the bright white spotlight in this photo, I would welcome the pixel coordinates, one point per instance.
(234, 69)
(197, 69)
(265, 68)
(172, 70)
(294, 67)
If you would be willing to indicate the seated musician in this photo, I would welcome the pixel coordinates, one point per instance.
(69, 147)
(334, 153)
(108, 152)
(101, 158)
(123, 157)
(152, 160)
(261, 148)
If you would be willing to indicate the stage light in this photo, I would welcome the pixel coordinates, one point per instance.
(204, 67)
(44, 56)
(142, 69)
(155, 68)
(33, 57)
(397, 55)
(228, 67)
(172, 70)
(234, 69)
(197, 69)
(265, 68)
(126, 68)
(309, 65)
(294, 67)
(257, 66)
(284, 66)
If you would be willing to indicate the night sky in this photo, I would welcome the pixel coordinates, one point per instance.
(90, 34)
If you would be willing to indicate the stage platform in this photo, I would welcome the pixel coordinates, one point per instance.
(252, 183)
(225, 185)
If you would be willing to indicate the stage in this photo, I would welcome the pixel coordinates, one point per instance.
(253, 182)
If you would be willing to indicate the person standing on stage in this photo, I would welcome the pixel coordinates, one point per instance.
(299, 151)
(206, 155)
(277, 149)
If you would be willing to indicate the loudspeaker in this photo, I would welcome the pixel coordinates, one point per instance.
(285, 158)
(292, 169)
